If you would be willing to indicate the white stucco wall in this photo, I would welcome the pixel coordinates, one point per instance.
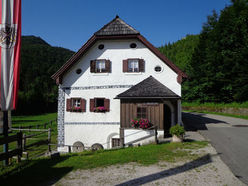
(133, 134)
(116, 51)
(86, 126)
(90, 134)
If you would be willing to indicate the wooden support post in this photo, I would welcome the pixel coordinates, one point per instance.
(24, 142)
(49, 135)
(122, 137)
(19, 146)
(49, 139)
(49, 147)
(5, 134)
(156, 134)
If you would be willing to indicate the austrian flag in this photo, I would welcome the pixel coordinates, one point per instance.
(10, 44)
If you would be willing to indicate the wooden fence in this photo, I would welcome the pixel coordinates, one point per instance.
(25, 137)
(16, 152)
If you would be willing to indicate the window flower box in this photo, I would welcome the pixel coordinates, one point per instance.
(100, 109)
(76, 109)
(141, 123)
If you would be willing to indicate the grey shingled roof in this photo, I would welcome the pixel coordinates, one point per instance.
(148, 88)
(116, 27)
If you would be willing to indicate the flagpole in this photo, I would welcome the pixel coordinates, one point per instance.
(5, 134)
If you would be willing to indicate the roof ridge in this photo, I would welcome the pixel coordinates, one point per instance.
(123, 29)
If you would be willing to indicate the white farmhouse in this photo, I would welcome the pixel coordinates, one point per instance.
(115, 77)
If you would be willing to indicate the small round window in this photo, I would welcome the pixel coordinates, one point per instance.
(78, 71)
(133, 45)
(158, 68)
(101, 46)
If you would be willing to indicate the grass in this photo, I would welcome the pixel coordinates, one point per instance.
(43, 169)
(237, 110)
(34, 120)
(216, 105)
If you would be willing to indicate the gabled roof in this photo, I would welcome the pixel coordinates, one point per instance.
(148, 88)
(116, 29)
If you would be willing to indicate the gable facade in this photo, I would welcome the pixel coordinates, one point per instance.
(84, 83)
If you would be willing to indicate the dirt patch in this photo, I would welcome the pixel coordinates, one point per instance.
(206, 169)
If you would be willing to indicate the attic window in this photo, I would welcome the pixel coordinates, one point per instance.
(158, 68)
(133, 65)
(133, 45)
(101, 46)
(78, 71)
(100, 66)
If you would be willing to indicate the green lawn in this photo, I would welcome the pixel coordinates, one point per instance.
(216, 105)
(44, 169)
(216, 108)
(32, 120)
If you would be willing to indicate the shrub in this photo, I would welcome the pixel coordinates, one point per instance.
(177, 130)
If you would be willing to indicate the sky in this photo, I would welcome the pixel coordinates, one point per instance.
(70, 23)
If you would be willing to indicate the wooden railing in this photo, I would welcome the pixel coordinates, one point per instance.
(16, 152)
(41, 131)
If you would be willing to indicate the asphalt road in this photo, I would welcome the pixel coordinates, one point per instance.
(229, 136)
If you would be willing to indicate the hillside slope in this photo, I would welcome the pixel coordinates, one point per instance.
(39, 60)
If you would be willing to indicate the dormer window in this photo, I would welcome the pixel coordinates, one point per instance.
(100, 66)
(134, 65)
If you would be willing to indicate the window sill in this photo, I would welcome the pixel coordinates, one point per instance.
(101, 74)
(133, 73)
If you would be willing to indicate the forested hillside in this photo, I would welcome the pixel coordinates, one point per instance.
(39, 60)
(181, 51)
(218, 64)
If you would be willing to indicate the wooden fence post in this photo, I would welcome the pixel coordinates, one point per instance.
(156, 134)
(49, 139)
(24, 142)
(49, 135)
(19, 146)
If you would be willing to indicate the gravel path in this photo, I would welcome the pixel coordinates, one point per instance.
(206, 170)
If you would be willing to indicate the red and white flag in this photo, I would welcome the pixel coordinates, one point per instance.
(10, 45)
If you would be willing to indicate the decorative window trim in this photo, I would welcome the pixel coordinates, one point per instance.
(97, 87)
(102, 109)
(93, 66)
(70, 107)
(141, 65)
